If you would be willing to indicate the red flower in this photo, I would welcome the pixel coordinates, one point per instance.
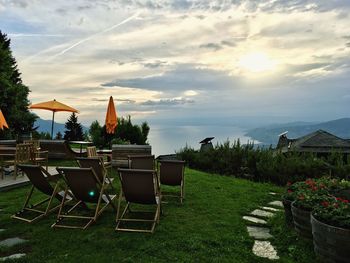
(325, 203)
(345, 201)
(290, 191)
(336, 205)
(339, 199)
(289, 183)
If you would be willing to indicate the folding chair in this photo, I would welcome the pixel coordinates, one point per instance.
(171, 172)
(144, 162)
(97, 165)
(86, 187)
(41, 180)
(138, 187)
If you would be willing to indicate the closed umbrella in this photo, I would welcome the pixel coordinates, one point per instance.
(111, 117)
(53, 106)
(3, 123)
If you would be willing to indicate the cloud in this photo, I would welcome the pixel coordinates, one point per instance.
(213, 46)
(228, 43)
(155, 64)
(183, 77)
(167, 102)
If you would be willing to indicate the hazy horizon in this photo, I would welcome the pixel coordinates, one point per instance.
(226, 62)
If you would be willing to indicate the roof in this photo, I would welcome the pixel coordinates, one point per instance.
(206, 140)
(318, 141)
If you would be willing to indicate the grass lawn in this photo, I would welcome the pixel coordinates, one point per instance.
(208, 227)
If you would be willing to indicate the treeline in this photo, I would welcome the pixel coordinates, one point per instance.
(265, 165)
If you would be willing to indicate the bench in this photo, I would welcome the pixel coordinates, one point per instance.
(8, 143)
(59, 149)
(120, 153)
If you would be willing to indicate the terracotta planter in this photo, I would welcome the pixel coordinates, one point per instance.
(302, 222)
(287, 205)
(331, 244)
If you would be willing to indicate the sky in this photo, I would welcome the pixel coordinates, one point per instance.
(185, 61)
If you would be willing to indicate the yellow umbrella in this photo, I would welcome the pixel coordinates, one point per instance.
(3, 123)
(53, 106)
(111, 117)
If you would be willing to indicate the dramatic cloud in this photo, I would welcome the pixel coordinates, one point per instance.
(185, 59)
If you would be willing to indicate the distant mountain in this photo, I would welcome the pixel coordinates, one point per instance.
(45, 126)
(269, 134)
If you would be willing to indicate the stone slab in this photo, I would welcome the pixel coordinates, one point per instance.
(272, 193)
(271, 209)
(259, 232)
(14, 256)
(264, 249)
(12, 242)
(276, 203)
(261, 213)
(255, 220)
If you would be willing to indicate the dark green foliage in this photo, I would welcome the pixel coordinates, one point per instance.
(59, 136)
(74, 131)
(13, 94)
(125, 133)
(264, 165)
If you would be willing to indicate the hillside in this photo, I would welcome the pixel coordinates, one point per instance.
(269, 134)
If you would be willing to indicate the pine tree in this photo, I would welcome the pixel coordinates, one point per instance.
(13, 94)
(74, 131)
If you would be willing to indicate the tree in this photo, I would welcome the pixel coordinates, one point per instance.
(13, 94)
(59, 136)
(74, 131)
(125, 132)
(95, 132)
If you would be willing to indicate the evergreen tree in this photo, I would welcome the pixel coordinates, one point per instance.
(13, 94)
(74, 131)
(59, 136)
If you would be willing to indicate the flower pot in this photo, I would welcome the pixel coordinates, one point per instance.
(301, 219)
(331, 244)
(287, 205)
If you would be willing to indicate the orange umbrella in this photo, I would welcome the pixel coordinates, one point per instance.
(3, 123)
(111, 117)
(53, 106)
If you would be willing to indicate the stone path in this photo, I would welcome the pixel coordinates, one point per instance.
(10, 242)
(256, 227)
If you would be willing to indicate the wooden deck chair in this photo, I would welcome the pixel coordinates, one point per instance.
(138, 187)
(45, 183)
(106, 158)
(171, 172)
(86, 188)
(97, 164)
(22, 156)
(36, 155)
(144, 162)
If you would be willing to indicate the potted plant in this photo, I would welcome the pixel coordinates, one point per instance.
(289, 197)
(308, 196)
(330, 222)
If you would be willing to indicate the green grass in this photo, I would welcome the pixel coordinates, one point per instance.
(208, 227)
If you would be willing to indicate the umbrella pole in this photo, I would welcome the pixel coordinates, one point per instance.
(53, 120)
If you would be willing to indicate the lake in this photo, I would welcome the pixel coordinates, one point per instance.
(168, 139)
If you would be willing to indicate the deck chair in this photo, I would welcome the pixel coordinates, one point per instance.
(138, 187)
(36, 155)
(22, 156)
(92, 152)
(171, 172)
(86, 188)
(144, 162)
(97, 164)
(48, 185)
